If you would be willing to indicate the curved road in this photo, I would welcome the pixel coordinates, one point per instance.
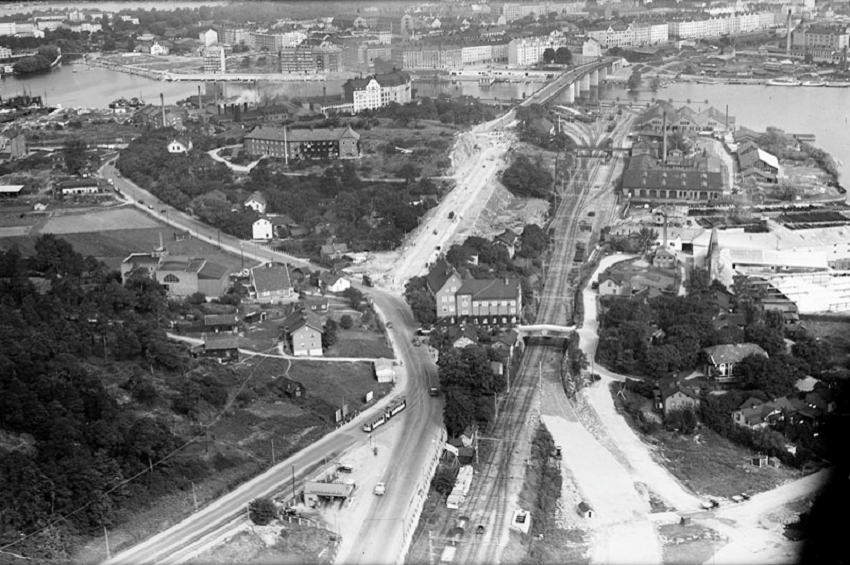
(422, 422)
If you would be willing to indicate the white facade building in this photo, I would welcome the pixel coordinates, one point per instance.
(529, 51)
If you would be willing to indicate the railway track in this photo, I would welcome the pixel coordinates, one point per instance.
(488, 498)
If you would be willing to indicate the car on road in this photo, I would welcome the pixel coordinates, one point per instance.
(380, 489)
(141, 201)
(480, 529)
(389, 325)
(150, 207)
(417, 343)
(434, 391)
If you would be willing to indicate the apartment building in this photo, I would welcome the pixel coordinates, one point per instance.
(822, 43)
(529, 51)
(214, 59)
(328, 143)
(484, 301)
(377, 91)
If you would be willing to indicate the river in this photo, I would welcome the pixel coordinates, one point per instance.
(27, 7)
(824, 112)
(79, 85)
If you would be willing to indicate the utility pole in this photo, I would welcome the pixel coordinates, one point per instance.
(194, 497)
(106, 536)
(293, 484)
(430, 549)
(273, 459)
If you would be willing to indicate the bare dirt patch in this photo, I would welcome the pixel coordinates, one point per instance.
(277, 544)
(506, 211)
(691, 544)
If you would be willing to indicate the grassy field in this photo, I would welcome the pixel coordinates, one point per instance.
(111, 237)
(714, 465)
(360, 343)
(326, 382)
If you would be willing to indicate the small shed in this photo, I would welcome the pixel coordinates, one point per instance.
(773, 462)
(585, 509)
(759, 461)
(221, 322)
(224, 347)
(384, 371)
(316, 492)
(292, 389)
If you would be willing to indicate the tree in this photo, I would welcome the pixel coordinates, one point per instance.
(534, 241)
(262, 511)
(549, 55)
(563, 56)
(346, 322)
(75, 155)
(421, 301)
(329, 336)
(527, 179)
(444, 480)
(646, 237)
(634, 81)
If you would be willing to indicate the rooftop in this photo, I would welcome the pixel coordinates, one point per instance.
(732, 353)
(270, 278)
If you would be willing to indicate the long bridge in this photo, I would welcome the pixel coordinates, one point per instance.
(575, 81)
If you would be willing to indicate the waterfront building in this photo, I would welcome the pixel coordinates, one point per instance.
(309, 57)
(757, 164)
(5, 53)
(823, 44)
(427, 56)
(156, 49)
(214, 61)
(329, 143)
(614, 34)
(684, 120)
(378, 91)
(529, 50)
(152, 117)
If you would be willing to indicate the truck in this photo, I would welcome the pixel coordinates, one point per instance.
(380, 489)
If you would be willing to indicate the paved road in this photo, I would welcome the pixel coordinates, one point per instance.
(422, 422)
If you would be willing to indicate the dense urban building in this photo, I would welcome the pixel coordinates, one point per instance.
(822, 44)
(310, 58)
(283, 143)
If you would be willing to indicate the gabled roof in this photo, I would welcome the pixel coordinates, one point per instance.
(491, 289)
(439, 274)
(732, 353)
(219, 342)
(671, 385)
(329, 278)
(300, 318)
(220, 319)
(508, 237)
(212, 271)
(457, 332)
(257, 197)
(299, 135)
(270, 278)
(334, 248)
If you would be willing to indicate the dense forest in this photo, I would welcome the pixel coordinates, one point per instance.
(80, 408)
(367, 216)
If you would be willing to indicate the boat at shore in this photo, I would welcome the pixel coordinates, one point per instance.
(814, 83)
(785, 81)
(706, 81)
(840, 84)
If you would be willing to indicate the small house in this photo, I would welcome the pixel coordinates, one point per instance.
(333, 282)
(304, 331)
(292, 389)
(180, 145)
(257, 202)
(272, 284)
(384, 370)
(509, 240)
(673, 394)
(721, 359)
(223, 347)
(613, 284)
(664, 259)
(334, 250)
(585, 510)
(221, 323)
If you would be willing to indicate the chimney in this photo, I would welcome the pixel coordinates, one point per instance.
(664, 134)
(665, 229)
(200, 106)
(162, 103)
(788, 33)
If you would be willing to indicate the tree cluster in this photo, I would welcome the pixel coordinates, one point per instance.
(535, 129)
(460, 111)
(421, 301)
(560, 56)
(75, 444)
(469, 387)
(527, 179)
(41, 61)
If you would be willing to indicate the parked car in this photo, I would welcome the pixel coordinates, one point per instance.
(480, 529)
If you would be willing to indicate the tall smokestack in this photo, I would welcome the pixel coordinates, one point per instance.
(162, 103)
(664, 137)
(200, 106)
(665, 229)
(788, 33)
